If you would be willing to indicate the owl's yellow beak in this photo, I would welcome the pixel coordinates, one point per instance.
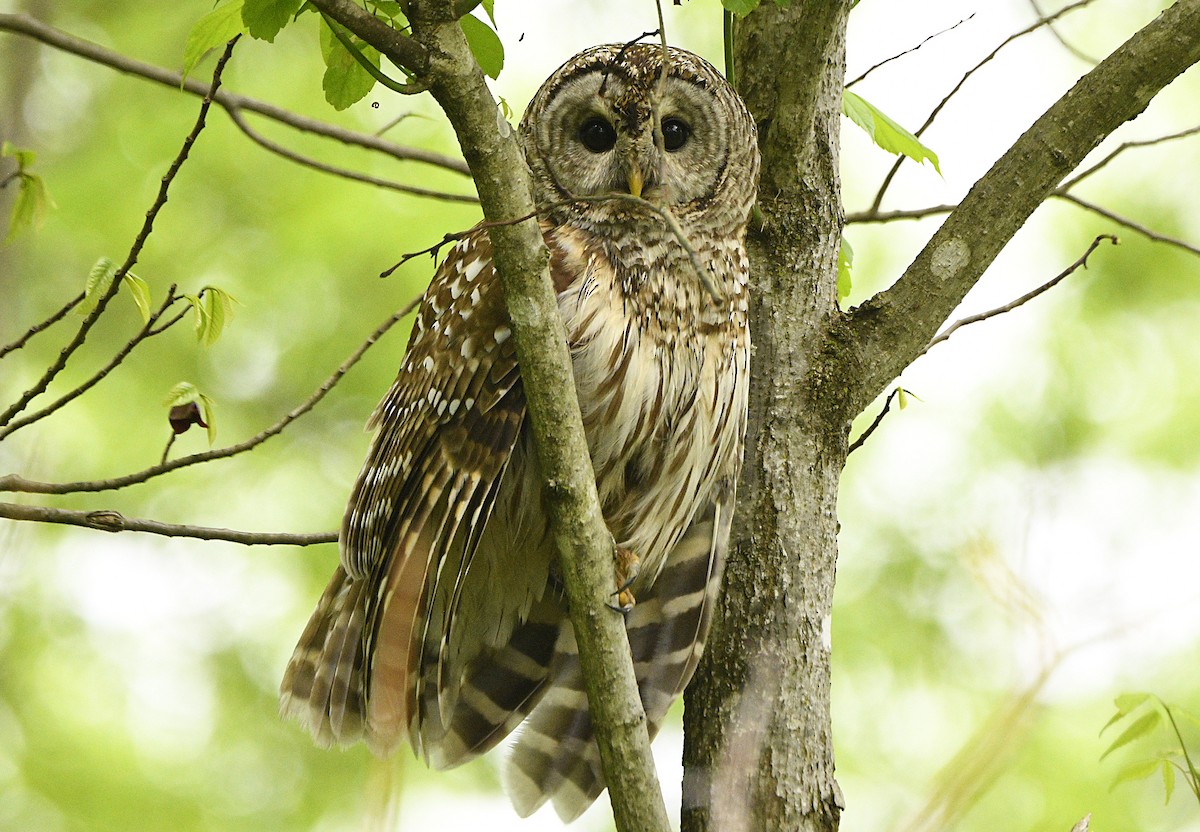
(636, 181)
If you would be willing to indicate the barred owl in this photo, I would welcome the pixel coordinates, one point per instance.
(445, 622)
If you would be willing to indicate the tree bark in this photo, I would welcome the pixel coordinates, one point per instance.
(757, 749)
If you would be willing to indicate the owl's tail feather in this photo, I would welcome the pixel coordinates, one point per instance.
(556, 757)
(323, 685)
(499, 690)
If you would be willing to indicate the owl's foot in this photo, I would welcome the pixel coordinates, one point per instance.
(626, 564)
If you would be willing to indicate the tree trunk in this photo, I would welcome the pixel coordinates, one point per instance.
(758, 751)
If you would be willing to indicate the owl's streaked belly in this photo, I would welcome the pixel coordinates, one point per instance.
(662, 388)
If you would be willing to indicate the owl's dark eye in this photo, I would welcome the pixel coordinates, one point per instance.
(597, 135)
(675, 133)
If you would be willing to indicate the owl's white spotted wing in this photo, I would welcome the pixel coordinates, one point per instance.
(446, 430)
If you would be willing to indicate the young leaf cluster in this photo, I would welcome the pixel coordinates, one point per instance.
(32, 197)
(191, 406)
(100, 278)
(1144, 714)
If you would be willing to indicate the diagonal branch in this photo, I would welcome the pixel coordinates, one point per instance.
(15, 483)
(1081, 263)
(148, 330)
(1128, 223)
(135, 251)
(235, 113)
(890, 330)
(44, 325)
(1045, 21)
(30, 27)
(113, 521)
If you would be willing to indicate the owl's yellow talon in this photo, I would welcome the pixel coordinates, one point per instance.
(626, 565)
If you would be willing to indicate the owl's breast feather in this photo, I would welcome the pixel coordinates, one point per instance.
(664, 413)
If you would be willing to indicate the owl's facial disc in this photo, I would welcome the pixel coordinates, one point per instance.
(598, 136)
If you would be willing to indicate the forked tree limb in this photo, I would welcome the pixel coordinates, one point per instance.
(886, 333)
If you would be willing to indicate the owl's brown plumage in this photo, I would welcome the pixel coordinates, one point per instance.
(445, 622)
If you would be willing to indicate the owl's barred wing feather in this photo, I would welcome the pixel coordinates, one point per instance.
(556, 757)
(446, 430)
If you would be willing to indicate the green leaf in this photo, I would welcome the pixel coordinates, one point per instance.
(30, 205)
(1139, 770)
(23, 158)
(845, 263)
(1168, 776)
(181, 393)
(209, 408)
(99, 278)
(215, 29)
(884, 132)
(218, 309)
(1126, 704)
(139, 290)
(345, 81)
(1140, 727)
(187, 393)
(388, 8)
(740, 7)
(265, 18)
(489, 6)
(485, 45)
(902, 397)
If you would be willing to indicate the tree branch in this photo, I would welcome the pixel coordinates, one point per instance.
(135, 250)
(262, 141)
(870, 429)
(1044, 21)
(29, 27)
(1128, 223)
(113, 521)
(1024, 299)
(584, 542)
(876, 216)
(147, 331)
(14, 483)
(886, 333)
(44, 325)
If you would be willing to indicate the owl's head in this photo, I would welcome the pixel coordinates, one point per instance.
(606, 122)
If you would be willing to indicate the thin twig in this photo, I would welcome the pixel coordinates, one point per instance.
(877, 216)
(862, 437)
(262, 141)
(15, 483)
(453, 237)
(1025, 298)
(147, 331)
(135, 250)
(113, 521)
(1128, 223)
(30, 27)
(887, 181)
(1078, 53)
(910, 50)
(44, 325)
(1079, 177)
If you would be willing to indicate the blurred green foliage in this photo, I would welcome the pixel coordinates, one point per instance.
(138, 676)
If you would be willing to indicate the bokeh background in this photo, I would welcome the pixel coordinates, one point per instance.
(1018, 546)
